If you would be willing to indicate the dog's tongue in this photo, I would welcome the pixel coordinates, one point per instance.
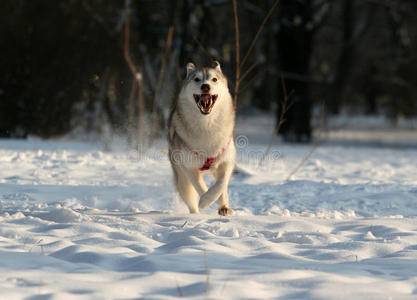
(205, 100)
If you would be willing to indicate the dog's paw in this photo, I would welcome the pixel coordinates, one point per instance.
(225, 211)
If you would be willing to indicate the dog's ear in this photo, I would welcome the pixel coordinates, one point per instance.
(217, 66)
(190, 68)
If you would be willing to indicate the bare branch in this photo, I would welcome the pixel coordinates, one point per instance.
(237, 50)
(363, 24)
(203, 48)
(321, 16)
(97, 18)
(301, 77)
(131, 108)
(248, 83)
(285, 106)
(247, 72)
(148, 69)
(141, 105)
(127, 41)
(315, 146)
(255, 39)
(240, 64)
(155, 117)
(137, 76)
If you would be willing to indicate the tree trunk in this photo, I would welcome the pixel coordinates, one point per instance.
(264, 91)
(295, 43)
(345, 61)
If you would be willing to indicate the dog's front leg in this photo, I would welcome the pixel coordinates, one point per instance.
(196, 180)
(224, 172)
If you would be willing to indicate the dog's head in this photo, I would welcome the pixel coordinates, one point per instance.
(205, 87)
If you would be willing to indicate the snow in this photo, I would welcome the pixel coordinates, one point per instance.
(78, 222)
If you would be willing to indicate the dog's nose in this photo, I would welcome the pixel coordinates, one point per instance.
(205, 88)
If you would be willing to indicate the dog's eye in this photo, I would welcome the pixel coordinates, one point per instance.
(214, 79)
(196, 79)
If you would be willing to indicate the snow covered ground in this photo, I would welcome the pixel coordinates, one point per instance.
(78, 222)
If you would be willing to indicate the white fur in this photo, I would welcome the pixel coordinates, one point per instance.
(190, 130)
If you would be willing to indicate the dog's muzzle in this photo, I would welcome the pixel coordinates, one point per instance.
(205, 102)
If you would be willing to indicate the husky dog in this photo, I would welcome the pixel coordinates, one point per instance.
(200, 136)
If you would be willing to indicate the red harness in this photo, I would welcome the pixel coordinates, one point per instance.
(209, 161)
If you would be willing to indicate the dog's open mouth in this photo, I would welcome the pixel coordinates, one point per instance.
(205, 102)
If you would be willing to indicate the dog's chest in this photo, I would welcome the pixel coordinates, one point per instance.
(208, 136)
